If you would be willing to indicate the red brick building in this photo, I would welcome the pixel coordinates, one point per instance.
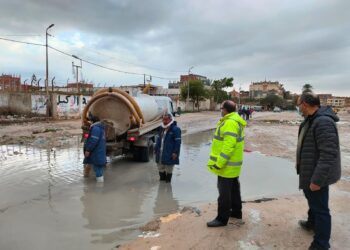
(191, 77)
(10, 82)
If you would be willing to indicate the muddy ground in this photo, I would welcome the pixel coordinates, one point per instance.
(268, 225)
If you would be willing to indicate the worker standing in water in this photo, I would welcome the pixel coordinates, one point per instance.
(95, 148)
(168, 147)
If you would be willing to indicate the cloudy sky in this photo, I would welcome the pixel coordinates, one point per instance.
(294, 42)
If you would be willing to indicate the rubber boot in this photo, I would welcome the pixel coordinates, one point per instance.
(162, 176)
(100, 179)
(168, 177)
(87, 169)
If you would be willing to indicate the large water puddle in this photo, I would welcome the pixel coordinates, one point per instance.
(47, 204)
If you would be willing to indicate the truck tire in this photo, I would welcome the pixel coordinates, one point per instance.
(146, 152)
(136, 153)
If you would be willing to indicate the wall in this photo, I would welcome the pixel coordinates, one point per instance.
(203, 105)
(20, 103)
(16, 103)
(71, 105)
(29, 103)
(4, 102)
(38, 104)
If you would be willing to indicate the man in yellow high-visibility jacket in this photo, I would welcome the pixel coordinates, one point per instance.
(225, 161)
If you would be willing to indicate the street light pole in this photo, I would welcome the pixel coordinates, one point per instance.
(76, 67)
(239, 96)
(48, 103)
(188, 85)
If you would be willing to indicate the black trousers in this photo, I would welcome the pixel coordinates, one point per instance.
(229, 201)
(319, 215)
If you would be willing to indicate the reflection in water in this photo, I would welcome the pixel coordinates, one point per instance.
(165, 202)
(260, 176)
(198, 139)
(126, 201)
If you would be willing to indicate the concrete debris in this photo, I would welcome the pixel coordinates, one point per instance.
(146, 235)
(192, 209)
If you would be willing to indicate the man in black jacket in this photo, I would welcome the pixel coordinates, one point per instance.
(318, 165)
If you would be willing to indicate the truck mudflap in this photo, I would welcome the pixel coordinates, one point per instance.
(114, 148)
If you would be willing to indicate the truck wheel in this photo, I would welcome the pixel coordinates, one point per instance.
(146, 152)
(137, 153)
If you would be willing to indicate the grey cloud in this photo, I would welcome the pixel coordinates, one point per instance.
(120, 18)
(290, 41)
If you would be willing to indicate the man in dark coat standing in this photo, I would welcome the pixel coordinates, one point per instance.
(168, 147)
(318, 165)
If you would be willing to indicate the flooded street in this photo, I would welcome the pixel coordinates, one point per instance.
(47, 204)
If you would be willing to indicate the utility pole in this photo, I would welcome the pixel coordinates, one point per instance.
(52, 83)
(67, 84)
(77, 72)
(149, 83)
(188, 85)
(48, 101)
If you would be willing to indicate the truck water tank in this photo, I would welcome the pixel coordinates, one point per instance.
(149, 107)
(122, 111)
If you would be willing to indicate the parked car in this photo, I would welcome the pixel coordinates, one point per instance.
(277, 109)
(257, 108)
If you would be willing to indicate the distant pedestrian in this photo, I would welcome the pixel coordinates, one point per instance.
(95, 147)
(168, 147)
(318, 165)
(240, 112)
(225, 161)
(244, 113)
(247, 114)
(251, 110)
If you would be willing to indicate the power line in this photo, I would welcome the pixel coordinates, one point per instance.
(112, 69)
(16, 41)
(22, 35)
(89, 62)
(123, 61)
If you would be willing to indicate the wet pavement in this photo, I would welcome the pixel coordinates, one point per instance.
(47, 204)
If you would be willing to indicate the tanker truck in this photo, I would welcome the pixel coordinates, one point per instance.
(131, 122)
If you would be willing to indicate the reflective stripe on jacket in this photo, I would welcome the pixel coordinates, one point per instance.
(226, 155)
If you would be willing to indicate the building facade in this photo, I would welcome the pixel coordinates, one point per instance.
(336, 102)
(193, 77)
(259, 90)
(324, 98)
